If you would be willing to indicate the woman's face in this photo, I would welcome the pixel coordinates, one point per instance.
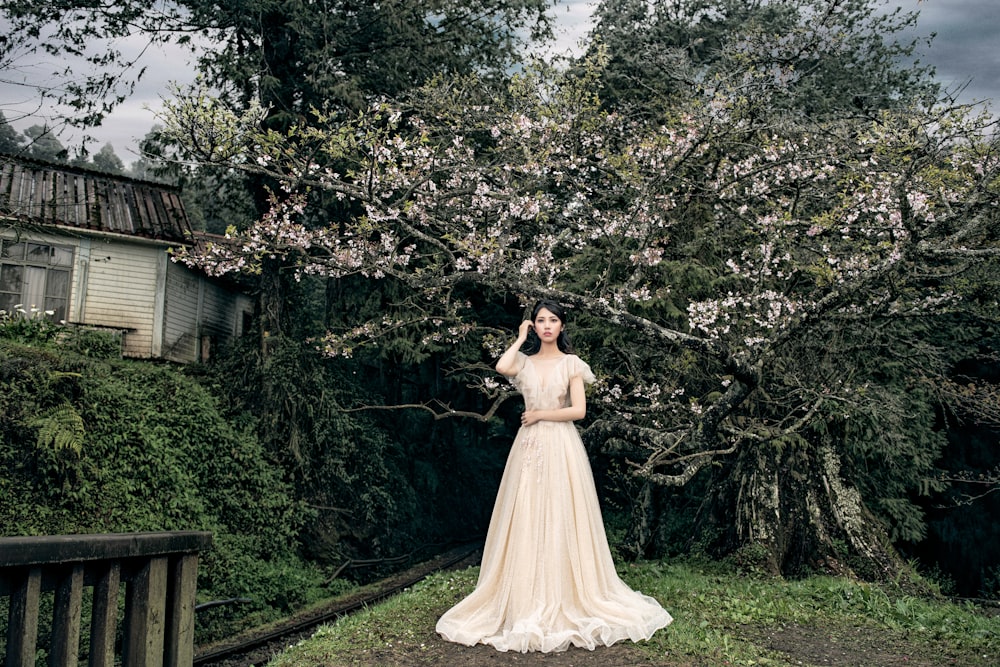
(547, 326)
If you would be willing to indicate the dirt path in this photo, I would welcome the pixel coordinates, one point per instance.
(850, 647)
(439, 652)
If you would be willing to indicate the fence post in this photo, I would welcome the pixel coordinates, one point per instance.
(22, 627)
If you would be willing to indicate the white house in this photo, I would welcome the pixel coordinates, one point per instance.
(93, 249)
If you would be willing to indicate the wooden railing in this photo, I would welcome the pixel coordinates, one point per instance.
(159, 573)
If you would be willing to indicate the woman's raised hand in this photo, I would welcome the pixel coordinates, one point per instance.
(522, 332)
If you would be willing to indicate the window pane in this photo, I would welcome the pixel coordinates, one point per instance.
(38, 253)
(8, 301)
(57, 284)
(57, 307)
(62, 256)
(34, 288)
(11, 278)
(14, 250)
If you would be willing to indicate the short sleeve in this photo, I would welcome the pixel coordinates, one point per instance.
(578, 366)
(519, 364)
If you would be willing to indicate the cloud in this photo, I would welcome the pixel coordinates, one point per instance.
(966, 45)
(162, 64)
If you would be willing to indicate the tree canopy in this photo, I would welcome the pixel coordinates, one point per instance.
(288, 54)
(773, 301)
(830, 57)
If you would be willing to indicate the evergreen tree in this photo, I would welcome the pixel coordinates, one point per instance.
(107, 160)
(287, 55)
(44, 145)
(11, 141)
(833, 57)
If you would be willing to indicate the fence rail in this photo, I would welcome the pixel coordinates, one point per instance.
(158, 571)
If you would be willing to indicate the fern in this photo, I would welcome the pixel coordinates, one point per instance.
(60, 429)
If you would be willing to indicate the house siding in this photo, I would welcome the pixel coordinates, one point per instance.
(120, 292)
(181, 314)
(190, 301)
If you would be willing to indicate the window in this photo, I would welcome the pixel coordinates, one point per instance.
(35, 275)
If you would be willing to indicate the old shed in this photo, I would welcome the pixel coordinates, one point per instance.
(93, 250)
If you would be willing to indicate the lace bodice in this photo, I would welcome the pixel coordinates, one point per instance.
(545, 383)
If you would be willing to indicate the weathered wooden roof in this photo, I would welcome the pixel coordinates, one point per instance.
(38, 192)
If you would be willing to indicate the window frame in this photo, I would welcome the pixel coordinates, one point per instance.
(56, 262)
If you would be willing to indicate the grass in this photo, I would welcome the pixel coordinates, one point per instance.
(721, 618)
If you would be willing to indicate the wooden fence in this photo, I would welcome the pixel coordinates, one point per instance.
(159, 574)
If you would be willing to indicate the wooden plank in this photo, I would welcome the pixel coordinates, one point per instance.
(162, 224)
(154, 220)
(130, 209)
(115, 221)
(176, 217)
(5, 170)
(56, 206)
(124, 208)
(65, 648)
(180, 619)
(16, 191)
(104, 219)
(49, 203)
(145, 609)
(13, 185)
(104, 617)
(93, 220)
(72, 211)
(22, 628)
(111, 221)
(79, 193)
(19, 551)
(37, 193)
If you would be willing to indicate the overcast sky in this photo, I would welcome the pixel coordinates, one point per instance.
(965, 51)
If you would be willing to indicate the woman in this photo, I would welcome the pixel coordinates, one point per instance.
(547, 579)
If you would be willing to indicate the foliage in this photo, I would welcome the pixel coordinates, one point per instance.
(44, 145)
(119, 446)
(379, 486)
(831, 57)
(721, 618)
(10, 139)
(31, 325)
(107, 160)
(60, 428)
(36, 327)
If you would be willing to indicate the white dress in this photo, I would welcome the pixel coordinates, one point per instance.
(547, 579)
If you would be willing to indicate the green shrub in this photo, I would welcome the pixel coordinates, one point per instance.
(29, 326)
(93, 446)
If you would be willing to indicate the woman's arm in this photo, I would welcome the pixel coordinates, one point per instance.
(576, 410)
(507, 364)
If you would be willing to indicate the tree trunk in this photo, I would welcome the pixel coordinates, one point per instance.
(795, 510)
(785, 509)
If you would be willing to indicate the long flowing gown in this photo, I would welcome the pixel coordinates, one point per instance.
(547, 580)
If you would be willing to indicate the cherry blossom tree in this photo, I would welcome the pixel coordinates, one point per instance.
(746, 284)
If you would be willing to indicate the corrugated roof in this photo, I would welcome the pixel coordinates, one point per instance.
(42, 193)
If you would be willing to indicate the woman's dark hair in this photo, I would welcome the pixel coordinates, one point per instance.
(534, 343)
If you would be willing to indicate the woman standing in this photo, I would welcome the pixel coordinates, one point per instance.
(547, 579)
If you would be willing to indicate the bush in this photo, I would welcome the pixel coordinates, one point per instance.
(29, 326)
(93, 446)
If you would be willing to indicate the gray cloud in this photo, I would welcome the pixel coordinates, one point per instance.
(966, 45)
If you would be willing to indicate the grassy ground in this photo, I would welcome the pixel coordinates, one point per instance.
(720, 619)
